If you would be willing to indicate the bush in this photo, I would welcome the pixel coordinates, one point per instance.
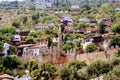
(67, 46)
(102, 28)
(118, 53)
(115, 41)
(34, 73)
(77, 64)
(12, 49)
(32, 7)
(20, 72)
(101, 48)
(46, 72)
(70, 71)
(25, 19)
(54, 44)
(114, 74)
(11, 62)
(32, 64)
(8, 71)
(115, 62)
(30, 40)
(10, 30)
(79, 46)
(98, 67)
(65, 73)
(16, 24)
(90, 47)
(116, 28)
(49, 42)
(1, 47)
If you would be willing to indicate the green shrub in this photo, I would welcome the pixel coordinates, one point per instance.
(118, 53)
(8, 71)
(115, 61)
(30, 40)
(67, 46)
(101, 48)
(71, 70)
(90, 47)
(116, 28)
(11, 62)
(32, 64)
(16, 24)
(115, 41)
(98, 67)
(54, 44)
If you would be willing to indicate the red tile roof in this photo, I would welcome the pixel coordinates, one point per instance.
(108, 23)
(6, 76)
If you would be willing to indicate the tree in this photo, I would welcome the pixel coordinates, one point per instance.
(81, 25)
(86, 6)
(67, 46)
(115, 41)
(102, 28)
(101, 48)
(70, 70)
(25, 19)
(35, 17)
(11, 62)
(10, 30)
(49, 42)
(77, 64)
(98, 67)
(79, 46)
(46, 71)
(12, 49)
(54, 43)
(90, 47)
(62, 28)
(1, 47)
(16, 24)
(30, 40)
(32, 6)
(115, 73)
(32, 64)
(118, 53)
(116, 28)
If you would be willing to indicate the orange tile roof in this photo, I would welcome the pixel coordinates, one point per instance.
(6, 76)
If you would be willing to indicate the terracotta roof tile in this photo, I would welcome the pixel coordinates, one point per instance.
(6, 76)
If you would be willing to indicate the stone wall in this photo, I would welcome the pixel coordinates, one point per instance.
(53, 56)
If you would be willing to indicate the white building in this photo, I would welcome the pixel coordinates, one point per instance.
(84, 20)
(117, 9)
(43, 5)
(6, 47)
(75, 7)
(41, 27)
(35, 50)
(87, 42)
(16, 38)
(52, 25)
(67, 18)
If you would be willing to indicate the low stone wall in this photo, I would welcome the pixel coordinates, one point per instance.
(52, 55)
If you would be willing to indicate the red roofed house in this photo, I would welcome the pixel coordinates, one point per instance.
(6, 77)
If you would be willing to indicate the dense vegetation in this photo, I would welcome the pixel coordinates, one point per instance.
(27, 17)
